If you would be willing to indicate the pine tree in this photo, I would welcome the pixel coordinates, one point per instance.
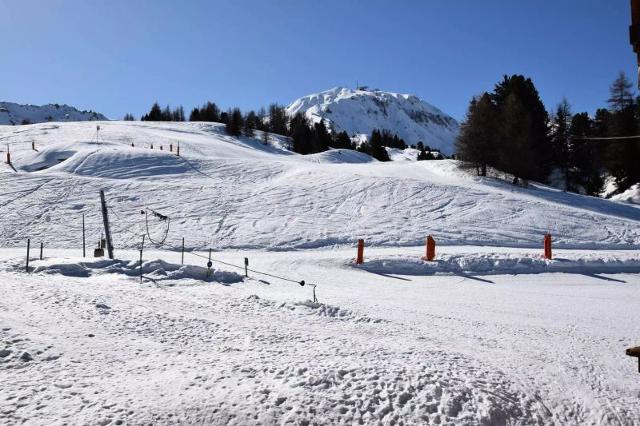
(195, 115)
(129, 117)
(342, 141)
(476, 142)
(561, 142)
(250, 124)
(155, 114)
(321, 138)
(235, 123)
(277, 120)
(301, 134)
(586, 157)
(523, 136)
(621, 156)
(621, 96)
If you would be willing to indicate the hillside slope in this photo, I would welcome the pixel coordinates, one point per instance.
(359, 112)
(224, 192)
(14, 114)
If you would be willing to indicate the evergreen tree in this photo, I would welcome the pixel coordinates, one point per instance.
(561, 142)
(155, 114)
(342, 141)
(321, 138)
(523, 136)
(622, 155)
(210, 112)
(195, 115)
(277, 120)
(250, 124)
(476, 142)
(129, 117)
(235, 123)
(586, 162)
(301, 134)
(374, 147)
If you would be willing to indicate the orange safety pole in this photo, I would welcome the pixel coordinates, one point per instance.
(547, 247)
(430, 245)
(360, 258)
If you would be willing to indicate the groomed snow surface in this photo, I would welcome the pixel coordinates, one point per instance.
(483, 335)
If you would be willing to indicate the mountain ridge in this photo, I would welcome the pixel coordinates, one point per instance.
(12, 114)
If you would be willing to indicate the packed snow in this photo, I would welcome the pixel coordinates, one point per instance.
(359, 112)
(16, 114)
(388, 346)
(489, 333)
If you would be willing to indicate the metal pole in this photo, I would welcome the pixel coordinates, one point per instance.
(28, 248)
(84, 253)
(41, 247)
(105, 219)
(246, 267)
(183, 250)
(141, 248)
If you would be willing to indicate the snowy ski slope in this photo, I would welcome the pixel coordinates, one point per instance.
(224, 192)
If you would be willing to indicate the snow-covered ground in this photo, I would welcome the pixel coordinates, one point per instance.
(379, 346)
(228, 193)
(490, 334)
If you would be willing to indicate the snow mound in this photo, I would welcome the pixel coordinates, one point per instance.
(359, 112)
(340, 156)
(631, 195)
(17, 114)
(503, 263)
(155, 270)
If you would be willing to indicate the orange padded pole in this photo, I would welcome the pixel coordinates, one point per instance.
(430, 245)
(547, 247)
(360, 258)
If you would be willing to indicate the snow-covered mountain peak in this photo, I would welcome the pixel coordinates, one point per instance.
(16, 114)
(360, 111)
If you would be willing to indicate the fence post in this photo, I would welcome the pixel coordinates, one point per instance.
(28, 249)
(547, 247)
(430, 244)
(246, 267)
(182, 250)
(360, 258)
(41, 247)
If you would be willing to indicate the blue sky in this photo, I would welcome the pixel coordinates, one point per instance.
(120, 56)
